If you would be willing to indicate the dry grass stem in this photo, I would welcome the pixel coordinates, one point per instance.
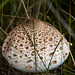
(3, 69)
(12, 69)
(33, 5)
(43, 16)
(67, 13)
(38, 9)
(66, 70)
(25, 9)
(12, 16)
(72, 58)
(27, 4)
(69, 68)
(11, 22)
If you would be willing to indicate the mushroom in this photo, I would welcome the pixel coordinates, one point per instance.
(19, 51)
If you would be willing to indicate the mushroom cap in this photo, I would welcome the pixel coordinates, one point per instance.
(19, 51)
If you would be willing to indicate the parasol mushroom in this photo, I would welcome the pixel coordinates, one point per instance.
(19, 51)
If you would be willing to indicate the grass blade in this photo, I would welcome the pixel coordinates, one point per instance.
(3, 31)
(34, 39)
(70, 34)
(29, 37)
(54, 52)
(27, 57)
(48, 10)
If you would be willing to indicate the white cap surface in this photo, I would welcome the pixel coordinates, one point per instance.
(19, 52)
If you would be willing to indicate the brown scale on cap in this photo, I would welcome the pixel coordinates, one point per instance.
(46, 39)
